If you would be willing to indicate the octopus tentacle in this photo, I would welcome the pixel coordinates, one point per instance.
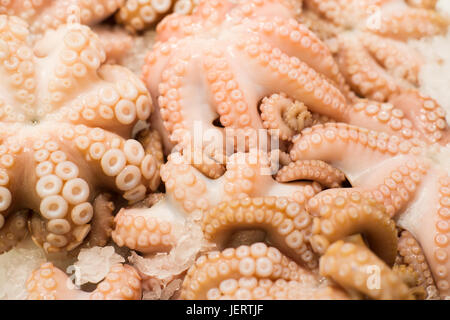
(355, 266)
(411, 254)
(44, 15)
(315, 170)
(343, 212)
(13, 230)
(293, 77)
(392, 18)
(362, 72)
(221, 273)
(50, 283)
(115, 41)
(297, 40)
(431, 229)
(65, 163)
(409, 23)
(263, 289)
(287, 225)
(139, 15)
(410, 278)
(425, 114)
(288, 116)
(120, 103)
(144, 233)
(372, 147)
(250, 30)
(393, 55)
(344, 13)
(102, 221)
(383, 117)
(151, 141)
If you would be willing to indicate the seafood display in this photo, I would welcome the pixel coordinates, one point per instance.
(232, 149)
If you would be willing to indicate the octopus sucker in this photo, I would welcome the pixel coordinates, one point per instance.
(71, 138)
(286, 223)
(410, 254)
(50, 283)
(354, 266)
(342, 212)
(315, 170)
(252, 272)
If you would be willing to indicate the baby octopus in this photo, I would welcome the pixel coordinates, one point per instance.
(391, 178)
(215, 66)
(65, 135)
(370, 34)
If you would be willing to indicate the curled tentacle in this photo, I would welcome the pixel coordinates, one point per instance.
(50, 283)
(354, 266)
(240, 273)
(286, 223)
(278, 112)
(343, 212)
(411, 254)
(314, 170)
(411, 279)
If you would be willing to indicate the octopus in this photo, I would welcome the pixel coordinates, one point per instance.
(66, 135)
(49, 15)
(227, 57)
(369, 40)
